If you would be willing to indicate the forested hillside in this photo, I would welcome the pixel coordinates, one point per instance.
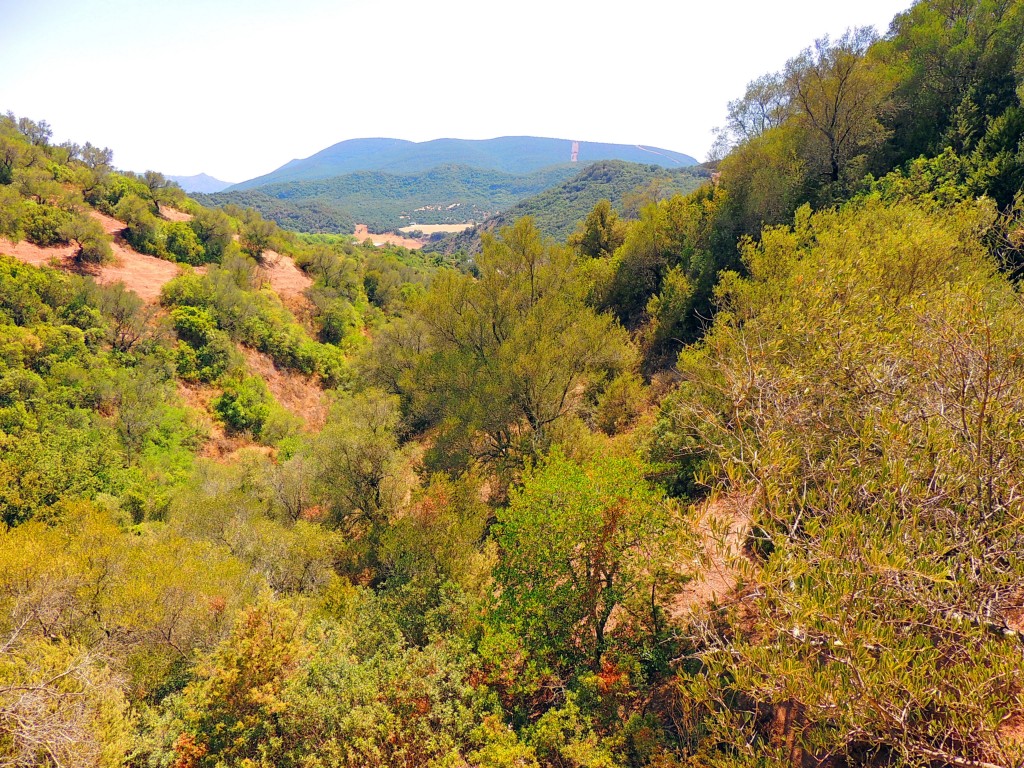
(734, 480)
(558, 210)
(386, 202)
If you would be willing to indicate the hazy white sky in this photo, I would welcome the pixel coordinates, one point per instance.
(236, 88)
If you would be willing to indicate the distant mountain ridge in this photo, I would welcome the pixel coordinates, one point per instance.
(200, 183)
(508, 154)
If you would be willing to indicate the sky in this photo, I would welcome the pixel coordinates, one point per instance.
(237, 88)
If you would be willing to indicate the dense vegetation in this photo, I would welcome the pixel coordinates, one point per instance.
(557, 211)
(385, 201)
(735, 482)
(315, 216)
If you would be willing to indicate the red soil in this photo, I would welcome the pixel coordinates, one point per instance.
(300, 395)
(722, 527)
(36, 256)
(363, 233)
(173, 214)
(143, 274)
(284, 277)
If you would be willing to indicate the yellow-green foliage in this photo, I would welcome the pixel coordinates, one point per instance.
(144, 597)
(61, 704)
(865, 386)
(500, 361)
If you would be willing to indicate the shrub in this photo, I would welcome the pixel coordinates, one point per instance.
(45, 225)
(183, 243)
(245, 405)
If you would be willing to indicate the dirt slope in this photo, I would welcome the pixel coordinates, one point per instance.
(363, 233)
(284, 277)
(301, 395)
(722, 526)
(143, 274)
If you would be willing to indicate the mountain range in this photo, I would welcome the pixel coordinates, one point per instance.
(508, 154)
(391, 183)
(200, 183)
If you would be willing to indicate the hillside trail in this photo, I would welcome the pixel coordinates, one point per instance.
(721, 527)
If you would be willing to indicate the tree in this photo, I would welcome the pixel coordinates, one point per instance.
(183, 243)
(959, 60)
(38, 134)
(257, 234)
(129, 318)
(601, 233)
(11, 211)
(39, 184)
(244, 405)
(357, 459)
(234, 708)
(765, 105)
(500, 361)
(665, 270)
(578, 541)
(839, 93)
(143, 229)
(215, 232)
(92, 241)
(11, 154)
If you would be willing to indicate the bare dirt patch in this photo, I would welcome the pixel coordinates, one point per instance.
(173, 214)
(289, 283)
(363, 233)
(37, 256)
(722, 527)
(300, 395)
(198, 397)
(430, 229)
(110, 225)
(145, 275)
(284, 277)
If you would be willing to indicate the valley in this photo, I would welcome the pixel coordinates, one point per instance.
(528, 452)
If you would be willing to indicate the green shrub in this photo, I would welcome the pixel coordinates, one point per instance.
(45, 225)
(245, 405)
(183, 243)
(205, 352)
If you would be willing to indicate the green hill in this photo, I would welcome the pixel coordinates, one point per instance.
(316, 216)
(558, 210)
(384, 201)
